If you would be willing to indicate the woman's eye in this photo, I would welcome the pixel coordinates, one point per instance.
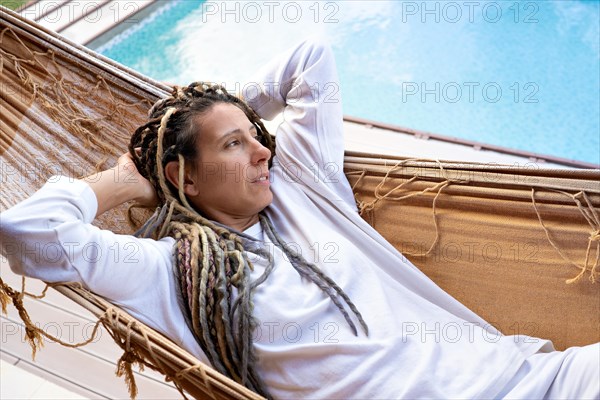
(232, 143)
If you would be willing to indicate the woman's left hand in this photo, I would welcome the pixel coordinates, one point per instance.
(141, 189)
(120, 184)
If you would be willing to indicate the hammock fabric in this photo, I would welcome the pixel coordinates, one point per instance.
(519, 245)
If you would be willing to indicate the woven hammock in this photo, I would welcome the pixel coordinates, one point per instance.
(519, 245)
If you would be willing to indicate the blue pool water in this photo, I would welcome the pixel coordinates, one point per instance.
(517, 74)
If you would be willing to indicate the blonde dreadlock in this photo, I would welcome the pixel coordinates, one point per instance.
(209, 257)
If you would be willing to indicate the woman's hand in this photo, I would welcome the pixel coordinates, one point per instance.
(141, 187)
(120, 184)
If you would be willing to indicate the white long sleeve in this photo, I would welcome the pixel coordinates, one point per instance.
(50, 237)
(303, 84)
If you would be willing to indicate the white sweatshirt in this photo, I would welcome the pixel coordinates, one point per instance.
(422, 343)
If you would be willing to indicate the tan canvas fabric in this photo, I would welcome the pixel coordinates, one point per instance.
(504, 256)
(504, 240)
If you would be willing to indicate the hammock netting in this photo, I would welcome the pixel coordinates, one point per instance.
(519, 245)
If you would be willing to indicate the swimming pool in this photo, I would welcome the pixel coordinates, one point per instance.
(517, 74)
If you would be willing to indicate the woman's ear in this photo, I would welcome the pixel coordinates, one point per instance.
(172, 175)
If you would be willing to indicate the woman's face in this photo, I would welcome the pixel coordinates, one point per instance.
(230, 178)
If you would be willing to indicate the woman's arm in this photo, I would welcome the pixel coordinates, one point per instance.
(303, 84)
(120, 184)
(49, 236)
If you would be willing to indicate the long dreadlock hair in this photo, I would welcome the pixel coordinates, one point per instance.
(211, 264)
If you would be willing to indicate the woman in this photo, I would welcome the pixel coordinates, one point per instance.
(269, 273)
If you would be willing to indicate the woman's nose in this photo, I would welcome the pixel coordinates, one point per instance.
(260, 153)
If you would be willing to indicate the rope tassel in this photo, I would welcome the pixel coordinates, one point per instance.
(4, 299)
(124, 368)
(32, 332)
